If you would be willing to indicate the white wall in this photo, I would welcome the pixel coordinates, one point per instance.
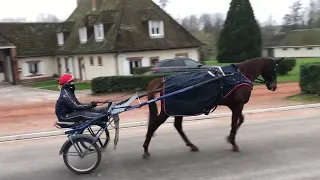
(2, 77)
(108, 67)
(301, 52)
(113, 64)
(163, 54)
(89, 72)
(47, 67)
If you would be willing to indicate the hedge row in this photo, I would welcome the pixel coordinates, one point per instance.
(122, 83)
(286, 66)
(140, 70)
(310, 78)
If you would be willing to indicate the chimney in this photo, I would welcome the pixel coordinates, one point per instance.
(94, 5)
(78, 2)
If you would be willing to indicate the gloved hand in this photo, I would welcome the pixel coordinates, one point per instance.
(94, 103)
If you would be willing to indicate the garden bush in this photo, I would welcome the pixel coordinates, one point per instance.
(122, 83)
(310, 78)
(140, 70)
(286, 66)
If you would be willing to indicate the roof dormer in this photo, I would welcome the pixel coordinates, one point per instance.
(156, 28)
(83, 35)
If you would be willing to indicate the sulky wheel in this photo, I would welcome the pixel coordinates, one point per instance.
(73, 150)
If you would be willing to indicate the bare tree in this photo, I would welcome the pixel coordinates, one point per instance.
(294, 19)
(47, 18)
(19, 19)
(163, 3)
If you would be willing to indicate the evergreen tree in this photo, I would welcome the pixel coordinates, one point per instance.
(240, 38)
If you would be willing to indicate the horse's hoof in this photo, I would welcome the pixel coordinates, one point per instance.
(145, 155)
(194, 148)
(235, 148)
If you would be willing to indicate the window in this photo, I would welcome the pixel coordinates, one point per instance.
(156, 29)
(284, 49)
(309, 48)
(99, 32)
(154, 60)
(83, 35)
(182, 55)
(91, 61)
(33, 67)
(172, 63)
(190, 63)
(60, 38)
(99, 60)
(296, 48)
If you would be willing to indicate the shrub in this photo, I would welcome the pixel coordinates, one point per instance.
(286, 66)
(140, 70)
(122, 83)
(310, 78)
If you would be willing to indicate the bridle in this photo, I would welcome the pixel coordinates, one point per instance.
(268, 83)
(273, 79)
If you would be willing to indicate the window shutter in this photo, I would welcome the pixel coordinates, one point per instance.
(95, 32)
(42, 67)
(80, 34)
(101, 31)
(85, 34)
(25, 69)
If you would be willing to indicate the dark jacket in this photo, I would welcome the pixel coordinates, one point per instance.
(67, 103)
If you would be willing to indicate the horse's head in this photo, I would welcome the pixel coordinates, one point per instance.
(264, 66)
(269, 72)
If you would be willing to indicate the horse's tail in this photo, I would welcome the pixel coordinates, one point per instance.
(151, 89)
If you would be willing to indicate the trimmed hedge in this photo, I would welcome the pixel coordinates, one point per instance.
(140, 70)
(286, 66)
(310, 78)
(122, 83)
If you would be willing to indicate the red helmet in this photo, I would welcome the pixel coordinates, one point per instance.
(65, 79)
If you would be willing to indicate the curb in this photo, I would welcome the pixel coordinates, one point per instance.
(170, 120)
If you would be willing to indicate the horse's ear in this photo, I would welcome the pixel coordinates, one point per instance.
(278, 61)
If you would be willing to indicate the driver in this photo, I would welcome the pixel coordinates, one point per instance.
(68, 109)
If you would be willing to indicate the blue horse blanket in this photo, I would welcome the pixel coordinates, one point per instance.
(201, 99)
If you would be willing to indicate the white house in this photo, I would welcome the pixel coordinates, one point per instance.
(303, 43)
(100, 38)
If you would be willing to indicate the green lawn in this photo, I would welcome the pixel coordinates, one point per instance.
(43, 83)
(305, 97)
(53, 85)
(292, 76)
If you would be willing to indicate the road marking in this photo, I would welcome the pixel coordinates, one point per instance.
(170, 120)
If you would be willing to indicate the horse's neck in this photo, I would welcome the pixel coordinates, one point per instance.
(250, 69)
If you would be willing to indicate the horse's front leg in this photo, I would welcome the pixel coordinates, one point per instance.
(236, 115)
(178, 126)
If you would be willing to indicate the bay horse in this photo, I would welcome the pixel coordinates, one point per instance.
(235, 101)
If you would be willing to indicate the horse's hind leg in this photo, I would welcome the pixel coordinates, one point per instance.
(178, 126)
(152, 127)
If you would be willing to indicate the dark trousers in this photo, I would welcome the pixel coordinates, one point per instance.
(78, 116)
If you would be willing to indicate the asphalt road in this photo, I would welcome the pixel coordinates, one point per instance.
(270, 150)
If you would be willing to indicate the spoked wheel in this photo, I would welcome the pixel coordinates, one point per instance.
(93, 130)
(73, 150)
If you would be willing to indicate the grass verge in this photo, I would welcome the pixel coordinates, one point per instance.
(305, 98)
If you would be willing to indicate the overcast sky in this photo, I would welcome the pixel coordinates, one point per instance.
(62, 8)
